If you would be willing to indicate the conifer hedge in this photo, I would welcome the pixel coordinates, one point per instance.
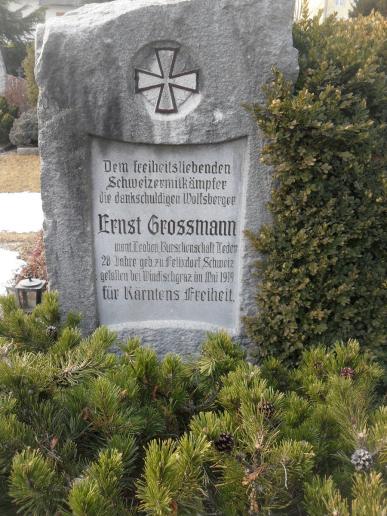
(323, 266)
(365, 7)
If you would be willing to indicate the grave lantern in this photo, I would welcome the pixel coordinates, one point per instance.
(28, 293)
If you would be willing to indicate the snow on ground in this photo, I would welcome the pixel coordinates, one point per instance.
(20, 212)
(9, 265)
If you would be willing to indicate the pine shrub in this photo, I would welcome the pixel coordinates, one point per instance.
(323, 267)
(87, 432)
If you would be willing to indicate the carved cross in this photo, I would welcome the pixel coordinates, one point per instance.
(166, 80)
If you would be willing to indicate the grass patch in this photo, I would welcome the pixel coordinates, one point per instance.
(19, 173)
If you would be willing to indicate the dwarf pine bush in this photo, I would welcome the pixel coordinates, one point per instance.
(87, 432)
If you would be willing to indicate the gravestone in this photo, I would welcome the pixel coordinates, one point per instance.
(150, 161)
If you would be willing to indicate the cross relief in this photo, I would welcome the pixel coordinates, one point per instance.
(163, 78)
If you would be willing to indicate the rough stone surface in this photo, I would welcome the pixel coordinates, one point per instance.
(85, 72)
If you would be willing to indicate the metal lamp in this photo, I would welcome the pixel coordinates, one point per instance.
(28, 293)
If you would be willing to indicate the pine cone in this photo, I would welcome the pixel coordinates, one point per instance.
(319, 369)
(362, 459)
(123, 394)
(347, 372)
(224, 443)
(267, 409)
(86, 414)
(52, 332)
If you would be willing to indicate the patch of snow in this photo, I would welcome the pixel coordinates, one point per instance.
(10, 264)
(21, 212)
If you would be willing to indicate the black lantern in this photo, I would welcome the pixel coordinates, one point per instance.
(28, 293)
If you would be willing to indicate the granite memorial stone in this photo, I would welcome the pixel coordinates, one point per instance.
(150, 162)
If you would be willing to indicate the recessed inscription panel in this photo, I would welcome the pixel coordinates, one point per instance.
(167, 223)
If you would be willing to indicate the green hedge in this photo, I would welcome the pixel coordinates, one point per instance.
(365, 7)
(89, 433)
(7, 117)
(323, 266)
